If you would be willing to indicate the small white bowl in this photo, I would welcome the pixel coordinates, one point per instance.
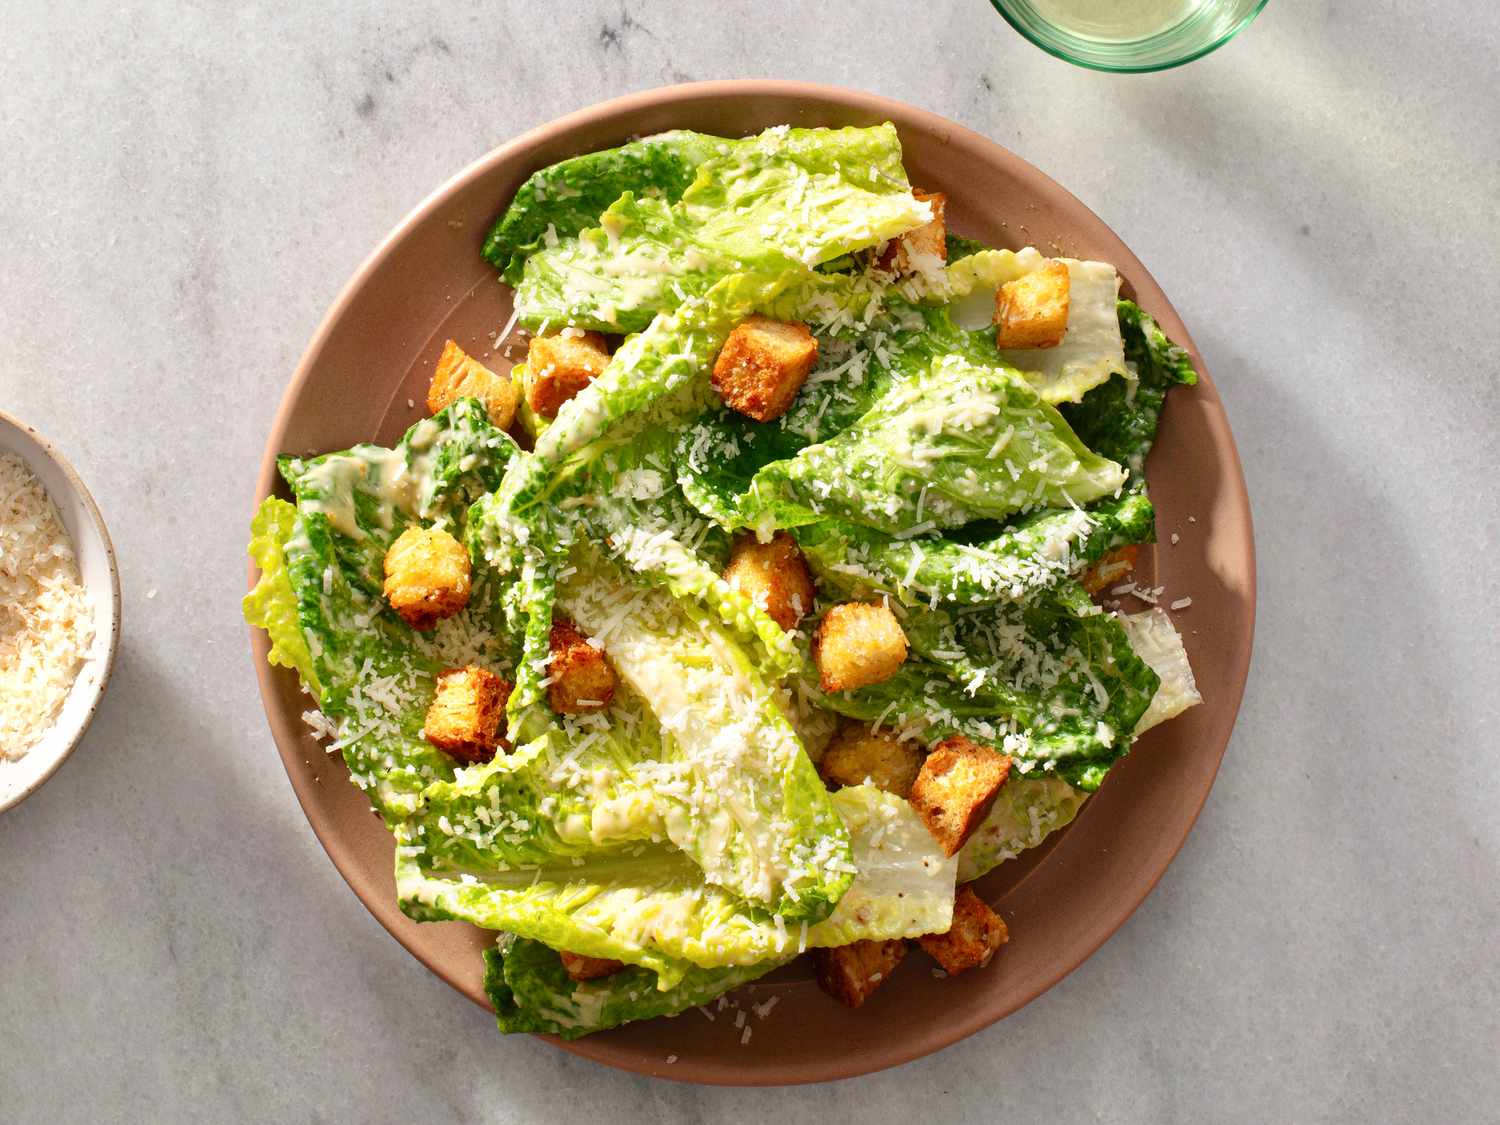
(101, 578)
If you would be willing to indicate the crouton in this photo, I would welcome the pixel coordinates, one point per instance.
(467, 713)
(858, 644)
(955, 789)
(850, 973)
(558, 367)
(1032, 311)
(929, 240)
(857, 754)
(772, 575)
(426, 576)
(581, 968)
(459, 375)
(582, 679)
(762, 366)
(975, 936)
(1109, 568)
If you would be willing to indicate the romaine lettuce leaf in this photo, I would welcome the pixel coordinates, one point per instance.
(748, 806)
(904, 884)
(1156, 641)
(1028, 555)
(272, 604)
(1031, 808)
(563, 199)
(905, 889)
(789, 198)
(737, 796)
(1091, 350)
(524, 530)
(926, 456)
(1028, 810)
(959, 247)
(869, 337)
(371, 674)
(587, 785)
(641, 519)
(649, 905)
(532, 992)
(1119, 419)
(1052, 682)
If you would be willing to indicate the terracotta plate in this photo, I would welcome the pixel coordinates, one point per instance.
(364, 377)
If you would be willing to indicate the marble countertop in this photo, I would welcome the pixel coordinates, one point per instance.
(185, 189)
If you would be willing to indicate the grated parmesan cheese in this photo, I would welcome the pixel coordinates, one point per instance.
(46, 625)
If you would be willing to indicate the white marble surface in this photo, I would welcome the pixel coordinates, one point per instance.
(185, 187)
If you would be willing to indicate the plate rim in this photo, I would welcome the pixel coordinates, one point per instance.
(720, 1072)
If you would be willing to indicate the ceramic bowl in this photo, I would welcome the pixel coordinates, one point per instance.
(101, 578)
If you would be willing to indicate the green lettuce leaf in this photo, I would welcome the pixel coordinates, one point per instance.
(870, 336)
(905, 889)
(565, 198)
(524, 530)
(959, 247)
(739, 797)
(1156, 641)
(1052, 682)
(925, 457)
(272, 604)
(649, 905)
(1028, 810)
(752, 811)
(1031, 554)
(371, 674)
(1091, 350)
(790, 198)
(1119, 419)
(532, 992)
(641, 519)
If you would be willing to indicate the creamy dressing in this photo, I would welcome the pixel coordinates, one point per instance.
(398, 480)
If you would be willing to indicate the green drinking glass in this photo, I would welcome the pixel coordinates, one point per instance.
(1129, 35)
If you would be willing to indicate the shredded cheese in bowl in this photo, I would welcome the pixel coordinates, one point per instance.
(46, 624)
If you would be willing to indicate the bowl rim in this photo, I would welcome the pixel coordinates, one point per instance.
(96, 519)
(656, 97)
(1058, 51)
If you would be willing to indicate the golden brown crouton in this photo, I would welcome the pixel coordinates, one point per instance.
(1032, 311)
(977, 932)
(955, 789)
(467, 712)
(856, 753)
(850, 973)
(581, 968)
(931, 238)
(560, 366)
(1109, 568)
(858, 644)
(459, 375)
(772, 575)
(426, 576)
(762, 366)
(582, 679)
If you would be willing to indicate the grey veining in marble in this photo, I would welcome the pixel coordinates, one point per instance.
(185, 187)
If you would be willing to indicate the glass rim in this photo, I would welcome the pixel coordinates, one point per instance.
(1056, 50)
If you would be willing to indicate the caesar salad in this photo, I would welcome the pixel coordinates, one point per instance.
(748, 615)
